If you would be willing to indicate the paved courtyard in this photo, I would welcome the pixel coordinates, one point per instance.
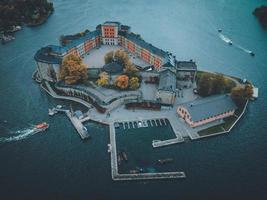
(95, 58)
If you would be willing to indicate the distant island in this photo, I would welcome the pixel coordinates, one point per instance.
(261, 14)
(15, 13)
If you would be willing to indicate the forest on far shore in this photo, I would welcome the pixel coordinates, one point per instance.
(18, 12)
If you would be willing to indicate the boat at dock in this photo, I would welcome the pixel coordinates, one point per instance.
(124, 156)
(165, 161)
(134, 171)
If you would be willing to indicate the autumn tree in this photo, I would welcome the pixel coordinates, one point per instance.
(218, 84)
(122, 58)
(134, 83)
(109, 57)
(210, 84)
(240, 94)
(131, 70)
(121, 81)
(204, 85)
(72, 70)
(103, 79)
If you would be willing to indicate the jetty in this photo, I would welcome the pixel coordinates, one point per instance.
(76, 122)
(135, 176)
(81, 129)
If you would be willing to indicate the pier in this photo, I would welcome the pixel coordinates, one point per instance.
(77, 123)
(81, 129)
(137, 176)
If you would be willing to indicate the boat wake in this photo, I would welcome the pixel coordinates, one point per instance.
(230, 42)
(19, 135)
(225, 39)
(244, 49)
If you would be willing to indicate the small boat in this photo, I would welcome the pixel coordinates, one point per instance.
(219, 30)
(165, 161)
(140, 125)
(59, 106)
(225, 39)
(145, 124)
(124, 156)
(134, 171)
(119, 159)
(43, 126)
(251, 53)
(117, 125)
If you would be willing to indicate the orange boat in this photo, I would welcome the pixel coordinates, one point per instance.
(43, 125)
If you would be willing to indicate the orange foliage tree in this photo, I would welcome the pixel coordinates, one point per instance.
(73, 70)
(121, 81)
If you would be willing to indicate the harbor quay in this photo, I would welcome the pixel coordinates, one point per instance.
(135, 176)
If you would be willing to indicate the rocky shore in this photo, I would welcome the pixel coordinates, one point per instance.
(261, 14)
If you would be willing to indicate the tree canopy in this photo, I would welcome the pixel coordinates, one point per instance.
(240, 94)
(210, 84)
(131, 70)
(122, 58)
(103, 79)
(15, 12)
(119, 56)
(121, 81)
(72, 70)
(109, 57)
(134, 83)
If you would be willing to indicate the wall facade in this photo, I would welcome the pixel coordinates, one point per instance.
(183, 113)
(166, 97)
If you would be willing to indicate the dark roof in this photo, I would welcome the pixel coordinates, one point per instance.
(86, 36)
(52, 53)
(168, 65)
(209, 106)
(167, 80)
(125, 28)
(44, 55)
(186, 65)
(142, 43)
(93, 72)
(112, 68)
(112, 22)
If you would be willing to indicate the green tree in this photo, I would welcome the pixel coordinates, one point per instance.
(218, 84)
(134, 83)
(204, 85)
(72, 70)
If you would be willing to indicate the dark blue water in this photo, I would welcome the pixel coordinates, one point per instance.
(58, 165)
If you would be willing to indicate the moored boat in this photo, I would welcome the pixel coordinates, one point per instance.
(165, 161)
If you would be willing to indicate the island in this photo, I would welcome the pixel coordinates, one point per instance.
(126, 82)
(13, 14)
(261, 14)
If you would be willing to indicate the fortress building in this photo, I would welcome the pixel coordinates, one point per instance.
(48, 59)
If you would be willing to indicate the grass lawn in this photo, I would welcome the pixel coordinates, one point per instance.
(229, 121)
